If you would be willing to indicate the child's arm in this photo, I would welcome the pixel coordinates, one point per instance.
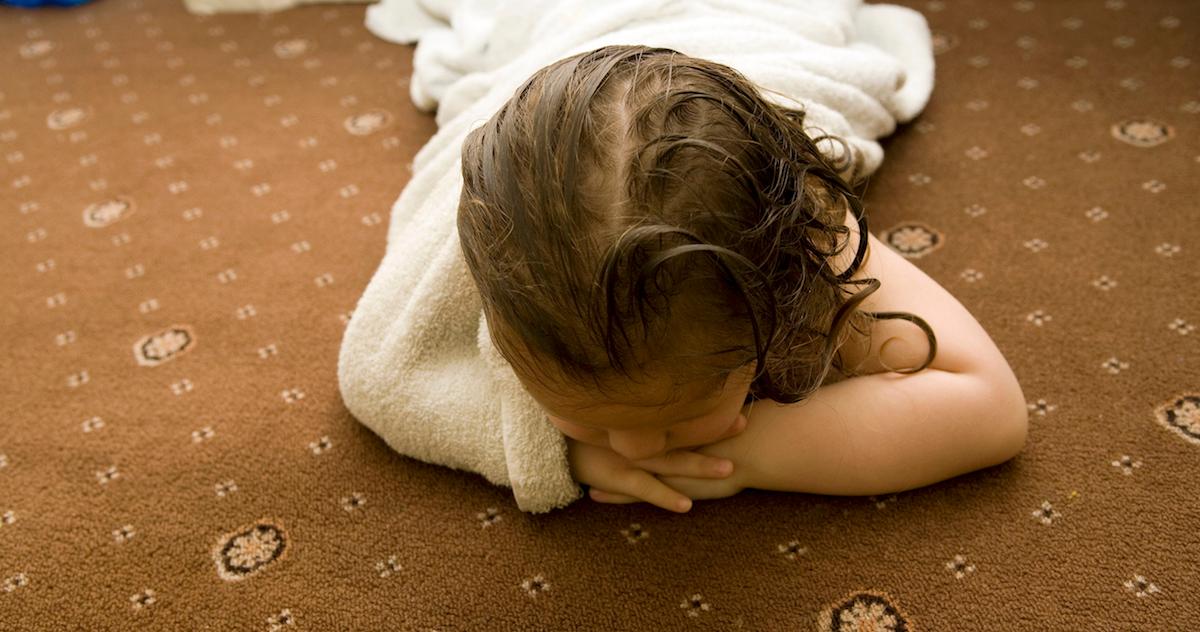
(886, 431)
(881, 433)
(889, 432)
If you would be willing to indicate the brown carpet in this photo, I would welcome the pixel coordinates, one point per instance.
(188, 221)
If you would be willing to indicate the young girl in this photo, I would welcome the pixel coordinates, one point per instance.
(672, 268)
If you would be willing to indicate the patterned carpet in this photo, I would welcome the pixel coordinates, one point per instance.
(192, 206)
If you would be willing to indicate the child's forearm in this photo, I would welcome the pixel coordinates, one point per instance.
(882, 433)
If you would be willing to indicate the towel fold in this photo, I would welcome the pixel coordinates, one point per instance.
(416, 364)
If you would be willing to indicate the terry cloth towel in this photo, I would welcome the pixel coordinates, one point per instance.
(417, 365)
(209, 7)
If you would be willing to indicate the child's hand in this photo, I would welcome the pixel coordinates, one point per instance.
(615, 479)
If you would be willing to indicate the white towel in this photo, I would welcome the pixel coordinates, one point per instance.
(209, 7)
(416, 363)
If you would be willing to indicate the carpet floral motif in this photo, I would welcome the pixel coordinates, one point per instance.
(865, 611)
(245, 552)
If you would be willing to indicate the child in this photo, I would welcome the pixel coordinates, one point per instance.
(672, 267)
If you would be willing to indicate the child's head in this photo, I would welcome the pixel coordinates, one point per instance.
(639, 222)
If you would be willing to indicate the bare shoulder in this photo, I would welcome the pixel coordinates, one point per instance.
(962, 344)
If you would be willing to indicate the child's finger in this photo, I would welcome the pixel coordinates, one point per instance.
(661, 496)
(602, 496)
(737, 427)
(687, 463)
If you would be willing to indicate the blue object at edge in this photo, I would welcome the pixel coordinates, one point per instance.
(31, 4)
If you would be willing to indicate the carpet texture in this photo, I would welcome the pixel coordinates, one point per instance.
(192, 206)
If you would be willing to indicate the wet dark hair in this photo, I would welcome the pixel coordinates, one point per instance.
(623, 185)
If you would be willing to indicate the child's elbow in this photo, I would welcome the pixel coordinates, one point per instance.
(1018, 433)
(1012, 425)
